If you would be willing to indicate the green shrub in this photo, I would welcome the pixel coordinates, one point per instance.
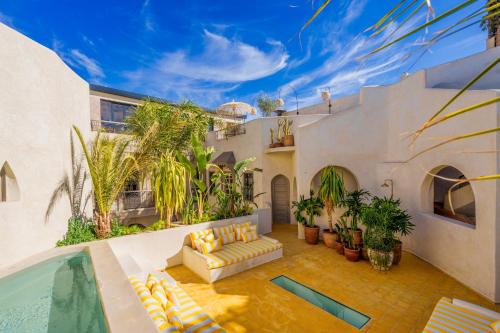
(79, 231)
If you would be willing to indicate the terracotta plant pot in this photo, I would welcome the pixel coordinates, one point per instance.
(358, 237)
(397, 253)
(288, 140)
(311, 235)
(278, 144)
(380, 260)
(352, 255)
(329, 238)
(339, 247)
(364, 253)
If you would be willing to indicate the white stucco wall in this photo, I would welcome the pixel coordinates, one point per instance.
(366, 135)
(41, 99)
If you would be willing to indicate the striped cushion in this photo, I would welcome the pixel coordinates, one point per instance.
(496, 326)
(169, 291)
(447, 317)
(151, 281)
(173, 314)
(239, 228)
(199, 241)
(223, 230)
(211, 246)
(239, 251)
(152, 306)
(250, 236)
(199, 234)
(193, 318)
(159, 294)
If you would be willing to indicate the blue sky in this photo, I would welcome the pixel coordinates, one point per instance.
(214, 51)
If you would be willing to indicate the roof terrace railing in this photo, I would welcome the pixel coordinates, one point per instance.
(230, 131)
(108, 126)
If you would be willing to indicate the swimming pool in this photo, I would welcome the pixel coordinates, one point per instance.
(56, 295)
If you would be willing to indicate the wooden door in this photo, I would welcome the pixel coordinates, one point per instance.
(280, 196)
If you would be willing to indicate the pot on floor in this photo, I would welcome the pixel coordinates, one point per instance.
(311, 235)
(398, 252)
(329, 238)
(352, 254)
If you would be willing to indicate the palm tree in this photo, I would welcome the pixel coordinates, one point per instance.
(331, 191)
(72, 187)
(110, 166)
(168, 181)
(354, 202)
(197, 170)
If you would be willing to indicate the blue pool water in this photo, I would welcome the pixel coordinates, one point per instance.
(55, 296)
(351, 316)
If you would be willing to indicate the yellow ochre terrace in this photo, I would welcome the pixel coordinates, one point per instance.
(352, 208)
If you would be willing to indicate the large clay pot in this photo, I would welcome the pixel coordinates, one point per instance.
(397, 253)
(311, 234)
(357, 237)
(352, 255)
(288, 140)
(339, 247)
(380, 260)
(329, 238)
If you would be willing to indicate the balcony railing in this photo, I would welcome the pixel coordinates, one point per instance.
(108, 126)
(137, 199)
(230, 131)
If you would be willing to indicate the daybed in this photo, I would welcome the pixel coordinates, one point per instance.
(233, 258)
(460, 316)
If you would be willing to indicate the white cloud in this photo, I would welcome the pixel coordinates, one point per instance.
(77, 59)
(205, 77)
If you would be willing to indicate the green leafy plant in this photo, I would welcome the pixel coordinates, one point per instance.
(168, 181)
(311, 207)
(354, 202)
(344, 233)
(267, 105)
(80, 230)
(331, 191)
(110, 166)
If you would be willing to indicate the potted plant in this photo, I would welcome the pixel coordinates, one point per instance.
(351, 250)
(331, 191)
(288, 139)
(400, 225)
(271, 136)
(354, 202)
(279, 135)
(311, 207)
(339, 241)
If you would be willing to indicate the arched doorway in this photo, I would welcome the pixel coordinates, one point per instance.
(280, 199)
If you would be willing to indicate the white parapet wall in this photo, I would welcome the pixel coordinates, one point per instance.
(41, 98)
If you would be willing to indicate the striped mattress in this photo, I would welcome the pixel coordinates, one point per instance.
(194, 320)
(239, 251)
(449, 318)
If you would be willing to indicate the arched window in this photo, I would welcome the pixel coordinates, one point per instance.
(460, 199)
(9, 190)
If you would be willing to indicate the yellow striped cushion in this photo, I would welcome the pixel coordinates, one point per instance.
(239, 251)
(228, 238)
(169, 291)
(223, 230)
(151, 281)
(199, 241)
(447, 317)
(250, 236)
(211, 246)
(173, 315)
(192, 316)
(159, 294)
(496, 326)
(239, 228)
(152, 306)
(199, 234)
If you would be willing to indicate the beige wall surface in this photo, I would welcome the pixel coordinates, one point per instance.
(41, 99)
(366, 135)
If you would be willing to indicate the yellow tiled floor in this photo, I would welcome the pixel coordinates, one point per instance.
(398, 301)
